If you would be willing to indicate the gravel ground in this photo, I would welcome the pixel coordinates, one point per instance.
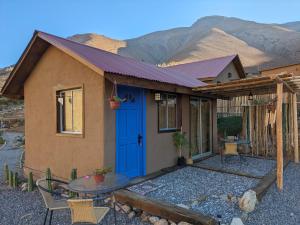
(202, 190)
(24, 208)
(280, 208)
(9, 154)
(249, 165)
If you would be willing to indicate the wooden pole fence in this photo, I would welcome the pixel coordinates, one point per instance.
(295, 126)
(279, 136)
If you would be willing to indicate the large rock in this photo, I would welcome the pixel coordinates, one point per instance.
(153, 219)
(248, 201)
(161, 222)
(236, 221)
(126, 208)
(184, 223)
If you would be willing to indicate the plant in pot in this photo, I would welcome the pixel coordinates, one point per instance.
(115, 102)
(100, 174)
(180, 142)
(189, 160)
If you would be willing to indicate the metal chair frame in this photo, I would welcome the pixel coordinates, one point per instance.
(53, 193)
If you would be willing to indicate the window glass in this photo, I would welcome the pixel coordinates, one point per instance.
(69, 111)
(167, 112)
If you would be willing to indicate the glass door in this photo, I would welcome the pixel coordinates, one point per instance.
(200, 127)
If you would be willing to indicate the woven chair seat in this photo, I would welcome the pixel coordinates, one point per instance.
(83, 211)
(58, 204)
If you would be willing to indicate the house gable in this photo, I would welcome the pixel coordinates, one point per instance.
(45, 147)
(228, 74)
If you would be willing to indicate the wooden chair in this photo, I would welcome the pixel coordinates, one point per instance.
(48, 196)
(83, 211)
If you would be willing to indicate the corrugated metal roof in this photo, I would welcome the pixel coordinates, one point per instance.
(113, 63)
(203, 69)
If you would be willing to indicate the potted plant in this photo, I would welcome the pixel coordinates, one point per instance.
(180, 141)
(115, 102)
(189, 160)
(100, 174)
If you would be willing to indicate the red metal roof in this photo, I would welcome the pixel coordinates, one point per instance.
(204, 69)
(114, 63)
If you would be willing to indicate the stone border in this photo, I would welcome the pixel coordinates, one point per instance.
(163, 209)
(154, 175)
(265, 183)
(206, 167)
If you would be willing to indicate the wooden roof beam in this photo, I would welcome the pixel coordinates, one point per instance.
(285, 84)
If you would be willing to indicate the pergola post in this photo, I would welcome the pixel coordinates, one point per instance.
(279, 90)
(295, 126)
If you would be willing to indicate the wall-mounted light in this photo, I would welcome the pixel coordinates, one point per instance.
(157, 96)
(250, 96)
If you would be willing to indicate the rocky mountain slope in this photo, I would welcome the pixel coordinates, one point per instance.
(259, 45)
(4, 73)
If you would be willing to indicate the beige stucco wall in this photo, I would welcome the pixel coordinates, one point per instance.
(161, 152)
(223, 77)
(44, 148)
(109, 129)
(96, 149)
(288, 69)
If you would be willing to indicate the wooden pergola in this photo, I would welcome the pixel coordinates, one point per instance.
(272, 84)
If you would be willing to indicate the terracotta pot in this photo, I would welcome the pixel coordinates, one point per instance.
(99, 178)
(189, 161)
(114, 104)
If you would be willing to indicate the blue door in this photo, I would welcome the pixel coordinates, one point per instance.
(130, 132)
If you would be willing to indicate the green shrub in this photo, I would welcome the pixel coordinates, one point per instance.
(231, 125)
(2, 141)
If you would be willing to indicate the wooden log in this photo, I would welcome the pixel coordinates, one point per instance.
(163, 209)
(295, 131)
(265, 183)
(220, 170)
(279, 136)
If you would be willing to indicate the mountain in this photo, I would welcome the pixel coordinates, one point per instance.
(259, 45)
(4, 73)
(295, 26)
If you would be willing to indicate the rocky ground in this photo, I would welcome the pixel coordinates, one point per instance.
(195, 188)
(203, 191)
(244, 165)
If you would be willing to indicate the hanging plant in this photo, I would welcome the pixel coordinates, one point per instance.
(115, 100)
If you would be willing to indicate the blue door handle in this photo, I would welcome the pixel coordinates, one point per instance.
(140, 137)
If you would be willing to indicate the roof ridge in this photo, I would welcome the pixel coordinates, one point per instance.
(99, 49)
(198, 61)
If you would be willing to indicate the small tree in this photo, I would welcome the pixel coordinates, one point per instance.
(180, 141)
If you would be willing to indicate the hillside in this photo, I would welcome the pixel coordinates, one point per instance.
(4, 73)
(259, 45)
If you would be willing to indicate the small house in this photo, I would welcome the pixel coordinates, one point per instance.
(69, 122)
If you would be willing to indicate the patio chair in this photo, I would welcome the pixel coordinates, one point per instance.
(83, 211)
(51, 203)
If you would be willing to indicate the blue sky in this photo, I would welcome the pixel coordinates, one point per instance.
(122, 19)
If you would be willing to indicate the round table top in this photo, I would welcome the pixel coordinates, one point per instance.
(98, 184)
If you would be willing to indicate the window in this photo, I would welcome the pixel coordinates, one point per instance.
(69, 111)
(167, 112)
(229, 75)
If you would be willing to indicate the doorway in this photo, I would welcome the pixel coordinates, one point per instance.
(200, 127)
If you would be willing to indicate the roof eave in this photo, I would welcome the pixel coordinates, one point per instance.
(7, 89)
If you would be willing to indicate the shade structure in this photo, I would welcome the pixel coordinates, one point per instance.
(259, 85)
(256, 85)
